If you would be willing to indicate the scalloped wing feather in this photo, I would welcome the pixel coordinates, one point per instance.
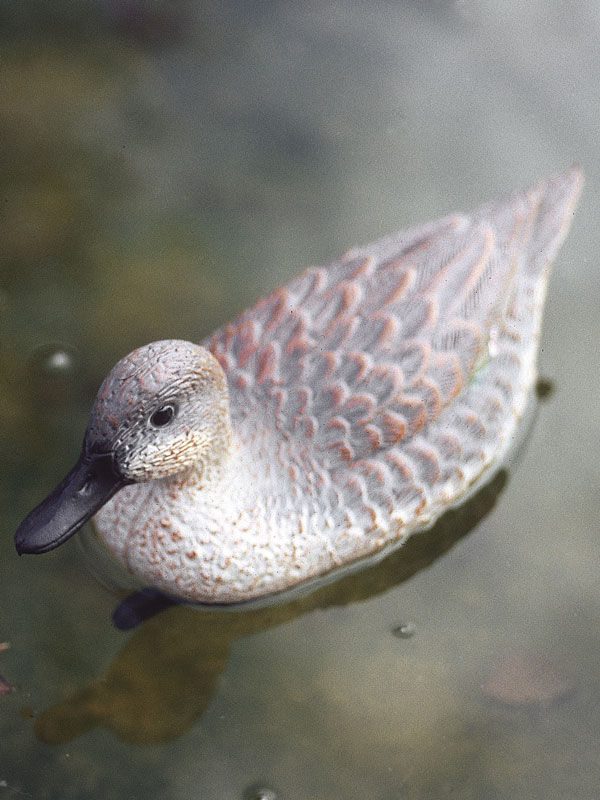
(385, 383)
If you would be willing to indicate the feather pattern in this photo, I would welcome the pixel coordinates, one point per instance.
(394, 377)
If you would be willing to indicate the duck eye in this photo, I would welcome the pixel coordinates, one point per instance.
(163, 415)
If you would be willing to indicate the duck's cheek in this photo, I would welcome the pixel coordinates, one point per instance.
(147, 461)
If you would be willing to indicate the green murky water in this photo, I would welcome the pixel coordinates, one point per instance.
(163, 164)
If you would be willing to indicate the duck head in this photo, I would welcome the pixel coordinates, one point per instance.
(161, 409)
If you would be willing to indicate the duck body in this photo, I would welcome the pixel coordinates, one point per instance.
(341, 414)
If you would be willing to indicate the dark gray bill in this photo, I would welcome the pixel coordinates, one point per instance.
(90, 484)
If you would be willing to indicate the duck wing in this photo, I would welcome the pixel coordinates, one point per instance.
(395, 375)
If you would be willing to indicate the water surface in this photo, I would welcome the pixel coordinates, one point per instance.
(162, 166)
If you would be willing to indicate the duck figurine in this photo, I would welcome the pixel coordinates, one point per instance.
(341, 414)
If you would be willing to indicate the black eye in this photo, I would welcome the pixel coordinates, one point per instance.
(163, 415)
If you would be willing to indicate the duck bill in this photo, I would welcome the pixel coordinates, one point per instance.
(90, 484)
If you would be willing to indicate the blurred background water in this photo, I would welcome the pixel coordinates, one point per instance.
(163, 163)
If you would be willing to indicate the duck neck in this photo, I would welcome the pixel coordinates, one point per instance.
(215, 456)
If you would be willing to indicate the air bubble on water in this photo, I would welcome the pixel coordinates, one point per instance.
(405, 631)
(54, 359)
(53, 374)
(60, 360)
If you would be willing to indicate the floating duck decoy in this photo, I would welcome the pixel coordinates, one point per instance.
(342, 413)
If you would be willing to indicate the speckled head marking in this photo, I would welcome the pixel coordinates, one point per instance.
(161, 409)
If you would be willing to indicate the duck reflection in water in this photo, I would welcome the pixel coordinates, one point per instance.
(166, 674)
